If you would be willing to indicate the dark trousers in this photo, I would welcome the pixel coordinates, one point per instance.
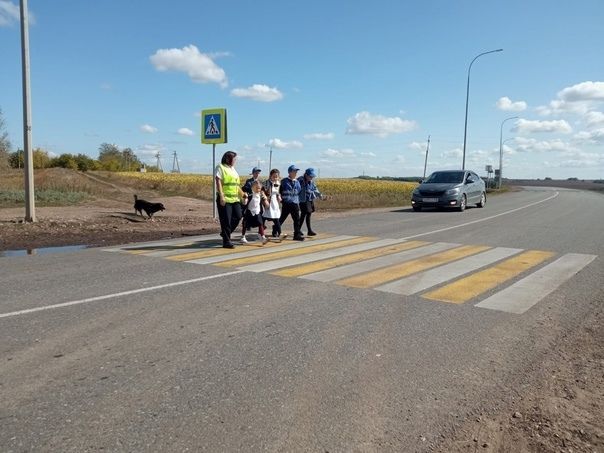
(276, 227)
(306, 209)
(294, 210)
(229, 215)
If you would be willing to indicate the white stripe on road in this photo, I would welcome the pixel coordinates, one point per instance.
(337, 273)
(265, 251)
(317, 256)
(424, 280)
(110, 296)
(525, 293)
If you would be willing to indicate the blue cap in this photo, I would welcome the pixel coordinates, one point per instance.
(254, 170)
(310, 172)
(292, 168)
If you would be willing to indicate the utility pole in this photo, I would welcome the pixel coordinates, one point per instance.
(175, 166)
(159, 162)
(28, 164)
(426, 159)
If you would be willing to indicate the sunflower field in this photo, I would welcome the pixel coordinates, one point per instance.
(339, 193)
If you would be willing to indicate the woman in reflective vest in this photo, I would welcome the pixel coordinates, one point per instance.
(228, 197)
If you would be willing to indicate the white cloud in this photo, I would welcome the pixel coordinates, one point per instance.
(594, 119)
(531, 144)
(320, 136)
(378, 125)
(457, 152)
(399, 159)
(590, 137)
(578, 159)
(148, 129)
(578, 98)
(368, 154)
(417, 146)
(331, 152)
(523, 126)
(11, 14)
(185, 131)
(585, 91)
(257, 92)
(280, 144)
(198, 66)
(149, 150)
(506, 104)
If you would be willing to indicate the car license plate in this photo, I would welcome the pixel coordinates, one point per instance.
(430, 200)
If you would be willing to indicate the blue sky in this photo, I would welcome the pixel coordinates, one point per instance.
(348, 87)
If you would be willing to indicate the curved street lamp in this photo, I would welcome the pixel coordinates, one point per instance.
(501, 150)
(465, 128)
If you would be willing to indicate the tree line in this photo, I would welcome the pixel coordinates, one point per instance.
(110, 158)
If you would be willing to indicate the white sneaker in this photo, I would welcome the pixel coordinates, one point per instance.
(264, 239)
(243, 240)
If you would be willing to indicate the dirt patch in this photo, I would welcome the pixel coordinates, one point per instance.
(106, 222)
(560, 410)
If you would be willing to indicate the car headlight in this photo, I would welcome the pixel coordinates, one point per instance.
(453, 191)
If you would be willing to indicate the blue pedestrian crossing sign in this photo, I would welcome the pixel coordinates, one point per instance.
(213, 126)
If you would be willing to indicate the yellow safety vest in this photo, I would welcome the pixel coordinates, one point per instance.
(230, 184)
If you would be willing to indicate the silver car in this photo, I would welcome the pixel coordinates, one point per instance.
(450, 189)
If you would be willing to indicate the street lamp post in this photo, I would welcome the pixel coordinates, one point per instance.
(501, 150)
(465, 128)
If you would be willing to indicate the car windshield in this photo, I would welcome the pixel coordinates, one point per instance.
(449, 177)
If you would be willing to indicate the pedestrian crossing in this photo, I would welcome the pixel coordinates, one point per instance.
(495, 278)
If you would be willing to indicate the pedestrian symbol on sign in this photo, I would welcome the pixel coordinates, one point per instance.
(213, 128)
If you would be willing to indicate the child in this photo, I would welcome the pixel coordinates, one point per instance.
(308, 195)
(271, 189)
(253, 212)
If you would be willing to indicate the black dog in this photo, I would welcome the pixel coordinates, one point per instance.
(149, 208)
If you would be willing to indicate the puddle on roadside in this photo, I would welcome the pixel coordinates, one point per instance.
(42, 250)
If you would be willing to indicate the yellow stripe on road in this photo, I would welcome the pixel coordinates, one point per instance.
(218, 250)
(321, 265)
(480, 282)
(293, 252)
(390, 273)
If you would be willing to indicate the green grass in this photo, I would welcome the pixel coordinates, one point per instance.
(46, 197)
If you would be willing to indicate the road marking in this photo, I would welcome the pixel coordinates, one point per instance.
(429, 278)
(323, 264)
(110, 296)
(237, 262)
(297, 261)
(525, 293)
(217, 250)
(394, 272)
(480, 282)
(482, 220)
(380, 262)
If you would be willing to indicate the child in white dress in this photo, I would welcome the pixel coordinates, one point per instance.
(252, 216)
(273, 212)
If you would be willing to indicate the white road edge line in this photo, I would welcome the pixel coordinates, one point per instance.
(482, 220)
(109, 296)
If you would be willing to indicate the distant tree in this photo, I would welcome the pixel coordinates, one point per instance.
(5, 145)
(40, 158)
(573, 179)
(114, 159)
(547, 178)
(86, 163)
(64, 161)
(15, 159)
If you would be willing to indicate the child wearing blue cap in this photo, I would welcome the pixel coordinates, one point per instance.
(308, 195)
(290, 191)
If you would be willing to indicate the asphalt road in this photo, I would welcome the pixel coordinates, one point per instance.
(146, 348)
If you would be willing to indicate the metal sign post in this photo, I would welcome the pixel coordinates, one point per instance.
(213, 130)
